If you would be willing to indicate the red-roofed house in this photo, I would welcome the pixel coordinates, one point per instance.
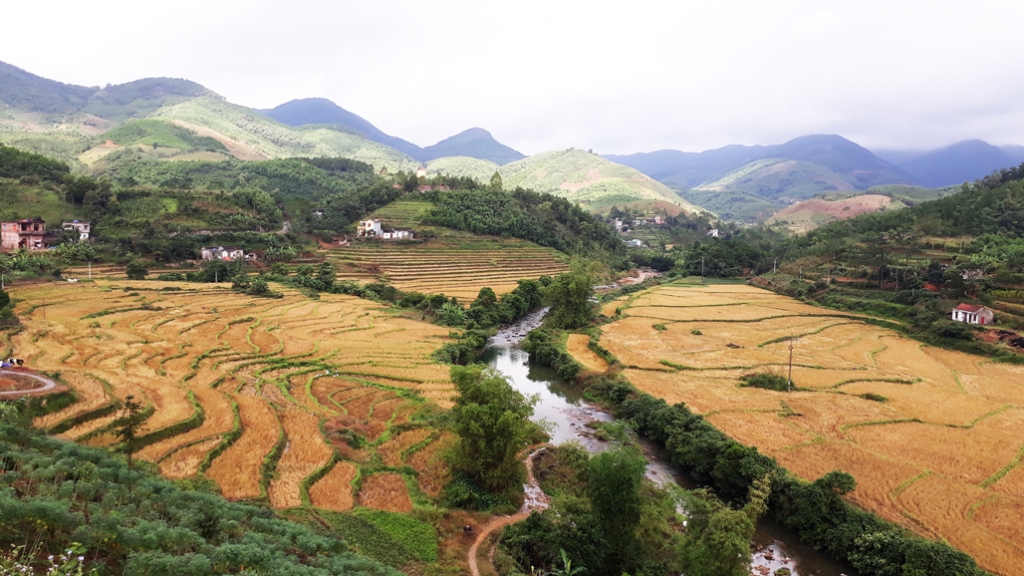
(972, 314)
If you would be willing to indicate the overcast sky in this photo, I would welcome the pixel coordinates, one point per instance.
(618, 77)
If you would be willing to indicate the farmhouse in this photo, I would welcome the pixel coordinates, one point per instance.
(222, 253)
(374, 229)
(83, 229)
(635, 243)
(30, 234)
(972, 314)
(713, 232)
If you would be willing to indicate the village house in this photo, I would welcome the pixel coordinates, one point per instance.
(222, 253)
(29, 233)
(972, 274)
(618, 224)
(83, 229)
(421, 172)
(635, 243)
(375, 229)
(659, 220)
(713, 232)
(972, 314)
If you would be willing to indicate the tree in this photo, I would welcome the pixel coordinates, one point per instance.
(127, 426)
(567, 568)
(496, 183)
(569, 297)
(493, 423)
(325, 276)
(5, 299)
(615, 477)
(451, 315)
(721, 547)
(136, 271)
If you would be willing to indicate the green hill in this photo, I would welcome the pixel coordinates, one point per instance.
(588, 179)
(462, 166)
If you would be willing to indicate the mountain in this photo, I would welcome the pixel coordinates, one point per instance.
(962, 162)
(806, 215)
(475, 142)
(750, 182)
(323, 111)
(687, 170)
(595, 182)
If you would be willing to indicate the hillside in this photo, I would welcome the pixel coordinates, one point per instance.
(479, 170)
(475, 142)
(809, 214)
(588, 179)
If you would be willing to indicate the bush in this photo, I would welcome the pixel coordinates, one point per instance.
(136, 270)
(767, 381)
(169, 277)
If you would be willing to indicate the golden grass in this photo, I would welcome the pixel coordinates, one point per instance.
(391, 451)
(337, 357)
(951, 421)
(430, 464)
(385, 491)
(577, 346)
(334, 490)
(305, 453)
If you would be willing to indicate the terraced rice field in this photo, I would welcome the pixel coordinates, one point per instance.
(942, 455)
(455, 268)
(265, 397)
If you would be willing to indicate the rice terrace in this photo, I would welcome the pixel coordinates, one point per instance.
(932, 436)
(258, 396)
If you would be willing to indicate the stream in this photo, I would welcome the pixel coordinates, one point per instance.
(566, 415)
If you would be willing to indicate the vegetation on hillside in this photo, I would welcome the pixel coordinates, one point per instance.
(163, 134)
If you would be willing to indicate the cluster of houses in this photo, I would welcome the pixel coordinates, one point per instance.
(619, 223)
(31, 234)
(227, 253)
(376, 229)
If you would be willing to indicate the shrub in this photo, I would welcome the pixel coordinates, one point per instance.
(766, 380)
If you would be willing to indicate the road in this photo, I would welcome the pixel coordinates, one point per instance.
(47, 383)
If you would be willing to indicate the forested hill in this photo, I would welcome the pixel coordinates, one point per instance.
(538, 217)
(993, 205)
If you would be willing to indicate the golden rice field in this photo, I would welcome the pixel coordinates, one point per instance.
(942, 455)
(265, 397)
(455, 268)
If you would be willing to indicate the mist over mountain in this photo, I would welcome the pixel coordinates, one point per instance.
(962, 162)
(475, 142)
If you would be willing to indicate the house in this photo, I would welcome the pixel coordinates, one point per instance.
(29, 233)
(370, 228)
(669, 247)
(424, 188)
(398, 234)
(659, 220)
(972, 314)
(83, 229)
(222, 253)
(618, 224)
(713, 232)
(972, 274)
(318, 213)
(635, 243)
(421, 172)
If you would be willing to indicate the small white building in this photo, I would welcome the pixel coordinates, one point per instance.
(713, 232)
(972, 314)
(618, 223)
(398, 234)
(659, 220)
(222, 253)
(635, 243)
(370, 228)
(83, 229)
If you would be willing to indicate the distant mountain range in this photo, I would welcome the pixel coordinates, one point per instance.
(475, 142)
(164, 119)
(751, 182)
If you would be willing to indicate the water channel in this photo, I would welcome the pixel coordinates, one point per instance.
(567, 414)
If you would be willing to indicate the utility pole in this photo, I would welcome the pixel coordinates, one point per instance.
(775, 265)
(789, 381)
(701, 269)
(90, 269)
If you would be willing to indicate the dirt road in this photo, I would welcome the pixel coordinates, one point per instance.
(47, 383)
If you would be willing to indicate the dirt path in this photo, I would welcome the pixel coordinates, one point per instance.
(47, 383)
(535, 499)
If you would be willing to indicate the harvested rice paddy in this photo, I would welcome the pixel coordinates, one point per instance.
(454, 268)
(266, 397)
(932, 436)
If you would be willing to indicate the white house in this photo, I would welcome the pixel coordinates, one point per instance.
(83, 229)
(370, 228)
(398, 234)
(222, 253)
(618, 224)
(713, 232)
(635, 242)
(972, 314)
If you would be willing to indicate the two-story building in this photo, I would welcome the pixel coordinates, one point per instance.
(222, 253)
(29, 233)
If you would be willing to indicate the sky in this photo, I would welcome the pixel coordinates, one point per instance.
(615, 77)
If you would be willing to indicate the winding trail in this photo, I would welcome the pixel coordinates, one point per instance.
(47, 384)
(535, 499)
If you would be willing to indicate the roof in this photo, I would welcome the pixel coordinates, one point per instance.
(970, 308)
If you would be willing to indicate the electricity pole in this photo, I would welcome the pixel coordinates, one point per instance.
(775, 265)
(789, 381)
(701, 269)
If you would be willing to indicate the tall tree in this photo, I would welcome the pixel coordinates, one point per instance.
(492, 421)
(496, 183)
(615, 477)
(127, 426)
(569, 297)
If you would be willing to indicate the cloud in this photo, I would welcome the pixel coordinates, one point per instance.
(613, 76)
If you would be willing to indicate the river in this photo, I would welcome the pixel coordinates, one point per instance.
(566, 415)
